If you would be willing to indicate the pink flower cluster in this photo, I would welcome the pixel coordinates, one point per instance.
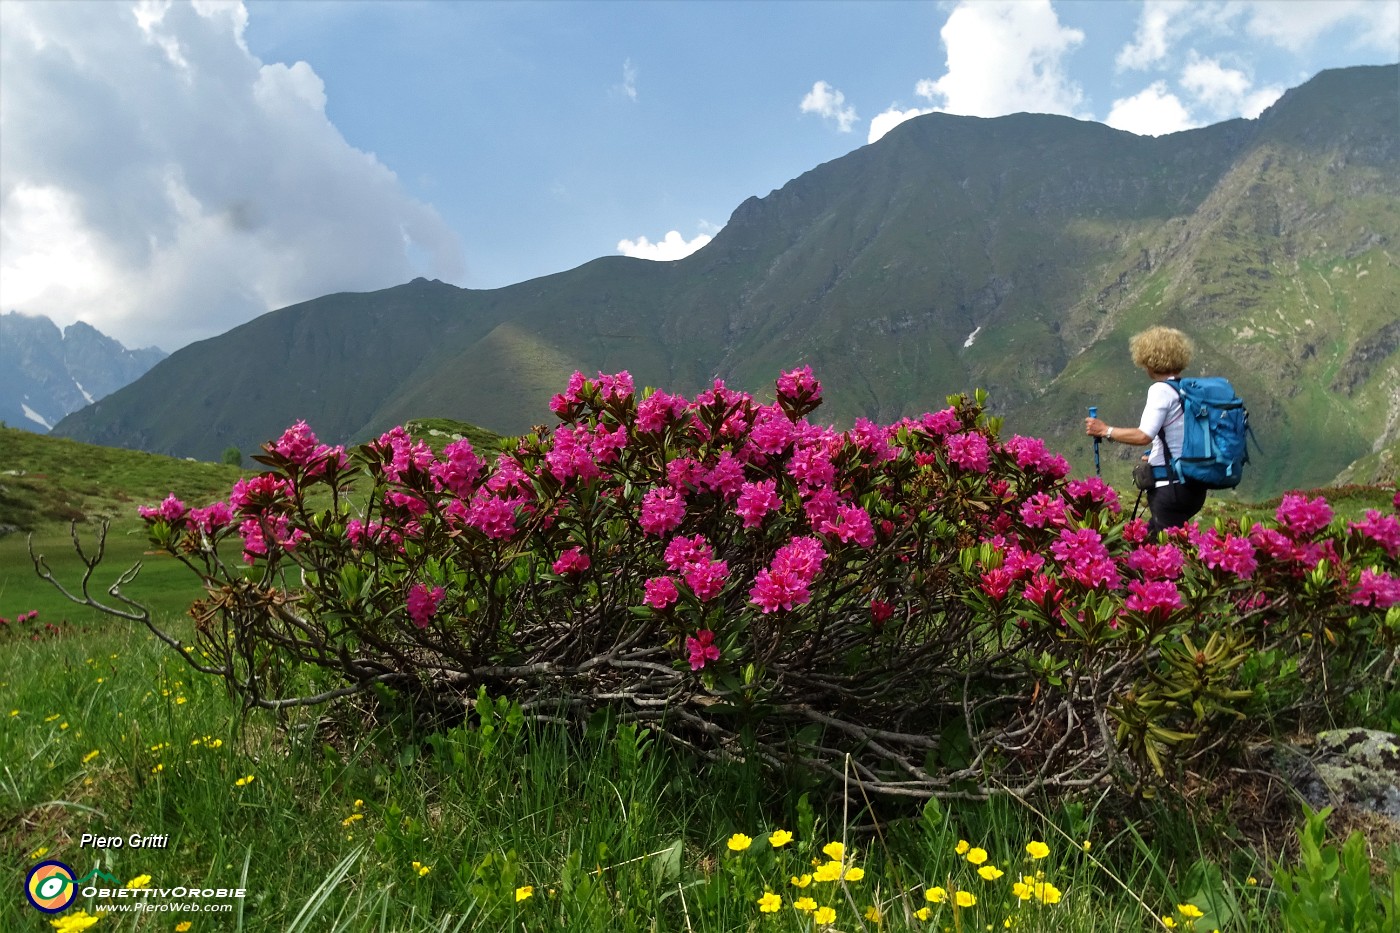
(1231, 553)
(1085, 559)
(1152, 597)
(799, 385)
(572, 561)
(702, 649)
(787, 580)
(300, 446)
(1376, 588)
(422, 603)
(1382, 529)
(1303, 517)
(171, 510)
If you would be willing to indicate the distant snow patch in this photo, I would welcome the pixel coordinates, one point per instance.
(34, 416)
(971, 337)
(89, 398)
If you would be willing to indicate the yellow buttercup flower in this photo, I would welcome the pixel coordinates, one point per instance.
(965, 898)
(805, 904)
(244, 781)
(739, 842)
(824, 916)
(1087, 845)
(990, 872)
(183, 926)
(421, 869)
(1037, 849)
(352, 818)
(1190, 910)
(91, 755)
(935, 895)
(1168, 922)
(872, 913)
(831, 871)
(801, 881)
(525, 892)
(855, 873)
(977, 856)
(923, 913)
(779, 838)
(834, 851)
(769, 902)
(962, 847)
(70, 923)
(140, 881)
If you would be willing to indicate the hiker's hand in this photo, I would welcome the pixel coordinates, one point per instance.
(1094, 427)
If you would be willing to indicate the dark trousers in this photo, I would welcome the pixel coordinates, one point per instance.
(1173, 505)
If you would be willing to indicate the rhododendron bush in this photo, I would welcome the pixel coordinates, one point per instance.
(944, 605)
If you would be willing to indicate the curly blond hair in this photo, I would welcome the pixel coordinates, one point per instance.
(1161, 350)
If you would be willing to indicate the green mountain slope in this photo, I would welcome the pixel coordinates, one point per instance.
(1016, 253)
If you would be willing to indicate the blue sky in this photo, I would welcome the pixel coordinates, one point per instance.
(170, 170)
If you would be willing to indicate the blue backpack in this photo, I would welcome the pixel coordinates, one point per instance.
(1213, 450)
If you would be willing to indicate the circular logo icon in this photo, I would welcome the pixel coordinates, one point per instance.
(50, 887)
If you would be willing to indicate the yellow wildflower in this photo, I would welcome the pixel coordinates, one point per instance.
(39, 852)
(421, 868)
(962, 847)
(965, 898)
(824, 916)
(872, 913)
(831, 871)
(352, 818)
(834, 851)
(1168, 922)
(990, 872)
(158, 769)
(855, 873)
(739, 842)
(977, 856)
(140, 881)
(524, 893)
(1190, 910)
(244, 781)
(800, 881)
(1087, 845)
(51, 719)
(779, 838)
(923, 913)
(1037, 849)
(183, 926)
(805, 904)
(769, 902)
(935, 895)
(70, 923)
(91, 755)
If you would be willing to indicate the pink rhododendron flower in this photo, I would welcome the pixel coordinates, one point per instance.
(574, 560)
(822, 506)
(996, 583)
(660, 592)
(702, 648)
(799, 384)
(1044, 591)
(1043, 510)
(572, 454)
(1272, 542)
(1303, 517)
(1095, 572)
(871, 438)
(726, 477)
(493, 516)
(211, 518)
(617, 387)
(684, 471)
(1157, 561)
(403, 502)
(253, 544)
(658, 410)
(1382, 529)
(1078, 546)
(458, 469)
(1232, 553)
(683, 551)
(298, 444)
(171, 510)
(1022, 563)
(423, 603)
(1095, 490)
(784, 584)
(706, 578)
(663, 510)
(757, 500)
(1135, 531)
(880, 612)
(606, 445)
(509, 475)
(851, 523)
(811, 464)
(970, 451)
(1376, 588)
(940, 422)
(1153, 596)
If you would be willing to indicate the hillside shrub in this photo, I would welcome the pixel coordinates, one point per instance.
(946, 607)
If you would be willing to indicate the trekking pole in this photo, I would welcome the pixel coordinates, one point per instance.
(1094, 413)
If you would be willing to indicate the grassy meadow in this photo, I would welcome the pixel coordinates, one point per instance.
(357, 817)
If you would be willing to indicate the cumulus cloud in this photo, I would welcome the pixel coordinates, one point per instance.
(1225, 92)
(1152, 111)
(671, 246)
(829, 103)
(185, 186)
(1005, 56)
(882, 123)
(1160, 24)
(1295, 26)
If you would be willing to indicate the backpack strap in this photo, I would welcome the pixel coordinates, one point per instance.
(1162, 435)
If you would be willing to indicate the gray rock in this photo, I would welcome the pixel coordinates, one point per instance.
(1358, 768)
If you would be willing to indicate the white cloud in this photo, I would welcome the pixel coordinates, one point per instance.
(188, 186)
(1152, 111)
(1005, 56)
(671, 246)
(882, 123)
(629, 79)
(1299, 24)
(1225, 92)
(829, 103)
(1160, 24)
